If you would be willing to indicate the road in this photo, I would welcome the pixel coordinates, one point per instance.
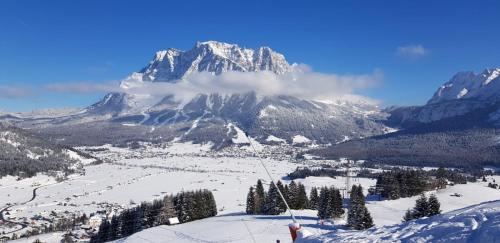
(22, 224)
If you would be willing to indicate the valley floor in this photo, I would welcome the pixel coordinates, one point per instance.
(131, 176)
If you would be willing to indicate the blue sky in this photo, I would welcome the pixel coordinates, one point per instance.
(418, 45)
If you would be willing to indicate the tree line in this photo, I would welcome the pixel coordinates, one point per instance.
(327, 200)
(261, 202)
(186, 206)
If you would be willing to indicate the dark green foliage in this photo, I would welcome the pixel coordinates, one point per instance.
(303, 172)
(281, 203)
(187, 206)
(434, 206)
(313, 198)
(330, 203)
(250, 206)
(260, 197)
(423, 208)
(358, 216)
(272, 202)
(463, 148)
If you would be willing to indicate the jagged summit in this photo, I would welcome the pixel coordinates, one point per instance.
(211, 56)
(483, 86)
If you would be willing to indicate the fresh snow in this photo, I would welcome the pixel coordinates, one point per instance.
(299, 139)
(272, 138)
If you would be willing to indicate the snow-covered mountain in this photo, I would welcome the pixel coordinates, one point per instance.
(211, 56)
(468, 96)
(470, 85)
(280, 116)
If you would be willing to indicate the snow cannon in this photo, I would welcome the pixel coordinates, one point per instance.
(294, 227)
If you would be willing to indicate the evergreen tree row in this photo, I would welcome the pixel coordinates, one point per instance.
(358, 217)
(271, 203)
(399, 183)
(329, 203)
(423, 208)
(186, 206)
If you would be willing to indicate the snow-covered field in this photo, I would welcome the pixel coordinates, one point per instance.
(132, 176)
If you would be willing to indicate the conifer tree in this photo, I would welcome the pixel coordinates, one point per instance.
(421, 207)
(337, 204)
(114, 228)
(434, 206)
(408, 215)
(323, 203)
(313, 199)
(260, 197)
(282, 204)
(250, 207)
(293, 192)
(103, 232)
(302, 200)
(271, 204)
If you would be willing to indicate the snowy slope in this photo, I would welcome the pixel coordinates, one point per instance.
(465, 85)
(475, 97)
(478, 223)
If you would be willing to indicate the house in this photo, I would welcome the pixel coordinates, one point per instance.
(95, 221)
(172, 221)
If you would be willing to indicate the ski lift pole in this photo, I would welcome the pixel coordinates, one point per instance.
(270, 177)
(294, 226)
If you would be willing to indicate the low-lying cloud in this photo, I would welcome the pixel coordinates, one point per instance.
(302, 83)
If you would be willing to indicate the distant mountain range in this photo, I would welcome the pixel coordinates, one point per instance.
(459, 126)
(467, 101)
(210, 117)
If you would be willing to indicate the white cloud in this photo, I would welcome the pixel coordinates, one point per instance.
(81, 87)
(412, 51)
(302, 83)
(15, 92)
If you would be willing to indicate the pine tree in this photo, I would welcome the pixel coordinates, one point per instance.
(271, 204)
(282, 204)
(302, 200)
(367, 220)
(103, 232)
(358, 216)
(408, 216)
(260, 197)
(337, 204)
(421, 207)
(433, 206)
(313, 199)
(114, 229)
(250, 208)
(293, 192)
(323, 203)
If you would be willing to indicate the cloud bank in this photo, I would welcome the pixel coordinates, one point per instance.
(302, 82)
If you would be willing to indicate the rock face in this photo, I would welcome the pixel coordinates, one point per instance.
(215, 57)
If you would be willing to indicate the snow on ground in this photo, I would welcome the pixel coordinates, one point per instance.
(272, 138)
(13, 190)
(149, 173)
(298, 139)
(228, 228)
(477, 223)
(240, 136)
